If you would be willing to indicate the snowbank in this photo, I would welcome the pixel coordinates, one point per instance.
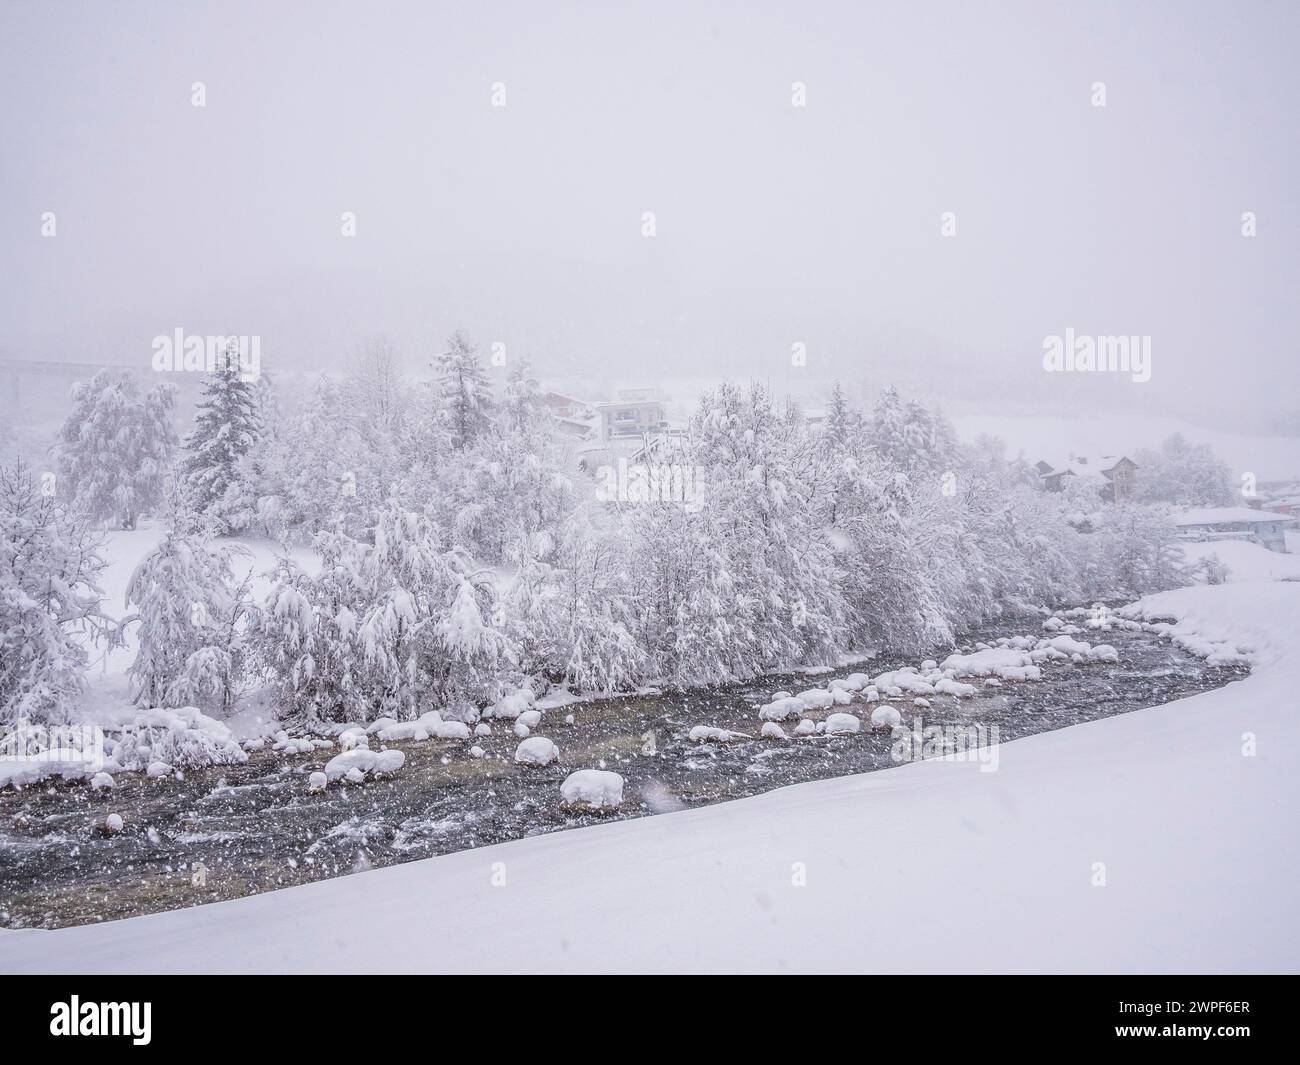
(1246, 561)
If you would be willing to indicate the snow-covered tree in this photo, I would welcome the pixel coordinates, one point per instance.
(1183, 473)
(573, 616)
(394, 627)
(191, 614)
(376, 386)
(116, 446)
(464, 391)
(227, 426)
(1141, 552)
(309, 487)
(49, 600)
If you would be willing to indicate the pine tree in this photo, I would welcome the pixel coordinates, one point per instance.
(116, 447)
(465, 391)
(227, 427)
(523, 399)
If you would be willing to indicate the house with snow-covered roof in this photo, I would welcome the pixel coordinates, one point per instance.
(1234, 523)
(1115, 476)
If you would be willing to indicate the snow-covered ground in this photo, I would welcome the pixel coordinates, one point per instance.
(934, 866)
(1247, 561)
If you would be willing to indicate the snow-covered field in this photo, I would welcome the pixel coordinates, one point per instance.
(934, 866)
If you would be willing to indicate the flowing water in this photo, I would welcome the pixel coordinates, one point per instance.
(230, 831)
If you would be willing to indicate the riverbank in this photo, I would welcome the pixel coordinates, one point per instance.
(1143, 842)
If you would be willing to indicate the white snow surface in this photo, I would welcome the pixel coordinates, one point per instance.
(1193, 834)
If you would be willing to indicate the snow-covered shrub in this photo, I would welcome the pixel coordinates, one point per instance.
(183, 738)
(1211, 569)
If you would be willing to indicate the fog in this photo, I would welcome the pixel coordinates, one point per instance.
(774, 224)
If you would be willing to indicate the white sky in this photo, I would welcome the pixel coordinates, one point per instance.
(775, 224)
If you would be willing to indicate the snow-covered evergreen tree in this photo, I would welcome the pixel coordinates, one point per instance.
(116, 446)
(464, 391)
(227, 426)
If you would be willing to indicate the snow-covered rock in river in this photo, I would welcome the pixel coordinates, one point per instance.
(780, 709)
(772, 731)
(101, 782)
(364, 762)
(840, 724)
(816, 698)
(113, 823)
(884, 716)
(1004, 662)
(597, 789)
(536, 750)
(430, 725)
(707, 733)
(352, 737)
(317, 781)
(806, 727)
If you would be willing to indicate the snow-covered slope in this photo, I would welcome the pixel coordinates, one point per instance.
(932, 866)
(1247, 561)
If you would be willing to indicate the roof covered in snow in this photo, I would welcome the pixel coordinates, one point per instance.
(1083, 465)
(1225, 516)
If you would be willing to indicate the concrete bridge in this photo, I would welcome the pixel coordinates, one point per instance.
(42, 376)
